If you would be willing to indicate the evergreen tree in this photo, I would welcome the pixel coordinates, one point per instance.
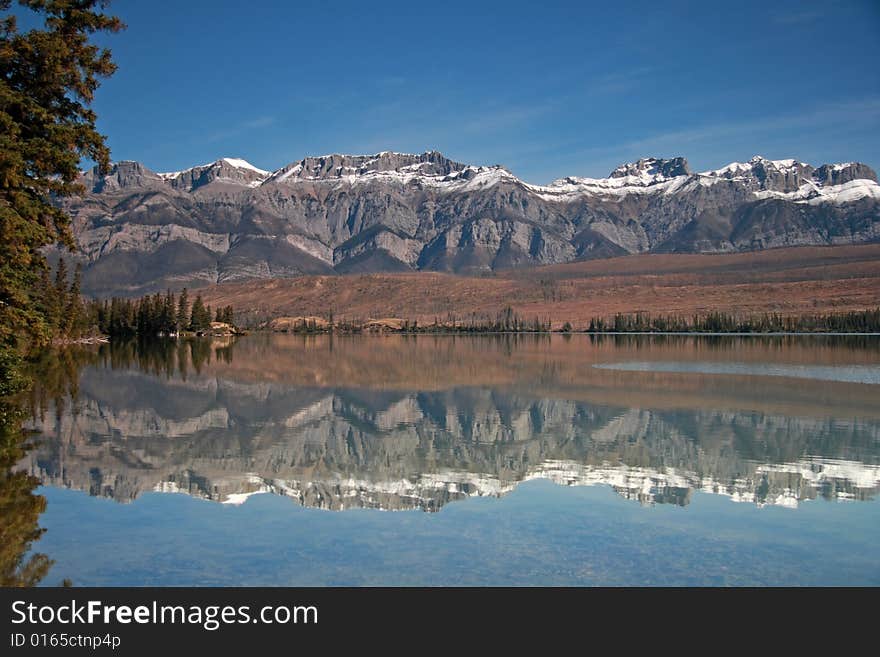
(169, 317)
(73, 312)
(58, 298)
(44, 295)
(48, 79)
(200, 318)
(182, 311)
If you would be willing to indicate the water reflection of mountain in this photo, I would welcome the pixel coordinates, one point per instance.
(222, 435)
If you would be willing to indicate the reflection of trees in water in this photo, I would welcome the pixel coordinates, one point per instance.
(165, 357)
(727, 343)
(20, 509)
(53, 378)
(170, 357)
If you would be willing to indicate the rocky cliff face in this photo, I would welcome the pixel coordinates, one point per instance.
(228, 220)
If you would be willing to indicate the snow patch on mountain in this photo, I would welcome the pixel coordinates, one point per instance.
(811, 193)
(235, 162)
(238, 163)
(571, 187)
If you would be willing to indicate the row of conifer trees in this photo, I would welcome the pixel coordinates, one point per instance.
(858, 321)
(70, 316)
(155, 315)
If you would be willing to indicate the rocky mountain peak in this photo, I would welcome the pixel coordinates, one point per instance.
(653, 167)
(239, 163)
(839, 174)
(124, 174)
(338, 165)
(780, 175)
(228, 170)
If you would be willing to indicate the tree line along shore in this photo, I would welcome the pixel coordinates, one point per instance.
(70, 317)
(75, 318)
(508, 321)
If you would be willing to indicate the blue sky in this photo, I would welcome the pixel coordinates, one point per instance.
(546, 89)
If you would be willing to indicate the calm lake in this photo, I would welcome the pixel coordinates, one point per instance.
(448, 460)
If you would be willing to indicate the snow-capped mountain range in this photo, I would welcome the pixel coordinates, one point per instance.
(227, 220)
(648, 175)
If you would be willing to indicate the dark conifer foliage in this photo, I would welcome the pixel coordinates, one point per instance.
(48, 78)
(857, 321)
(509, 321)
(157, 315)
(200, 317)
(70, 317)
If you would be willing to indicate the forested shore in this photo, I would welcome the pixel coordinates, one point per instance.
(157, 315)
(508, 321)
(70, 317)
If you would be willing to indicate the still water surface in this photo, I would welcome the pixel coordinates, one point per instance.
(431, 460)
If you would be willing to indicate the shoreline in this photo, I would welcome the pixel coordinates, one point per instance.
(564, 333)
(465, 333)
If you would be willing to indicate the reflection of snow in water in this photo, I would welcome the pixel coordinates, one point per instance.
(844, 373)
(784, 484)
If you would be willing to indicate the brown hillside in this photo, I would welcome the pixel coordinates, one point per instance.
(791, 281)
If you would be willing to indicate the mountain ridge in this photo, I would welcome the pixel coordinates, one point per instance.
(139, 230)
(346, 164)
